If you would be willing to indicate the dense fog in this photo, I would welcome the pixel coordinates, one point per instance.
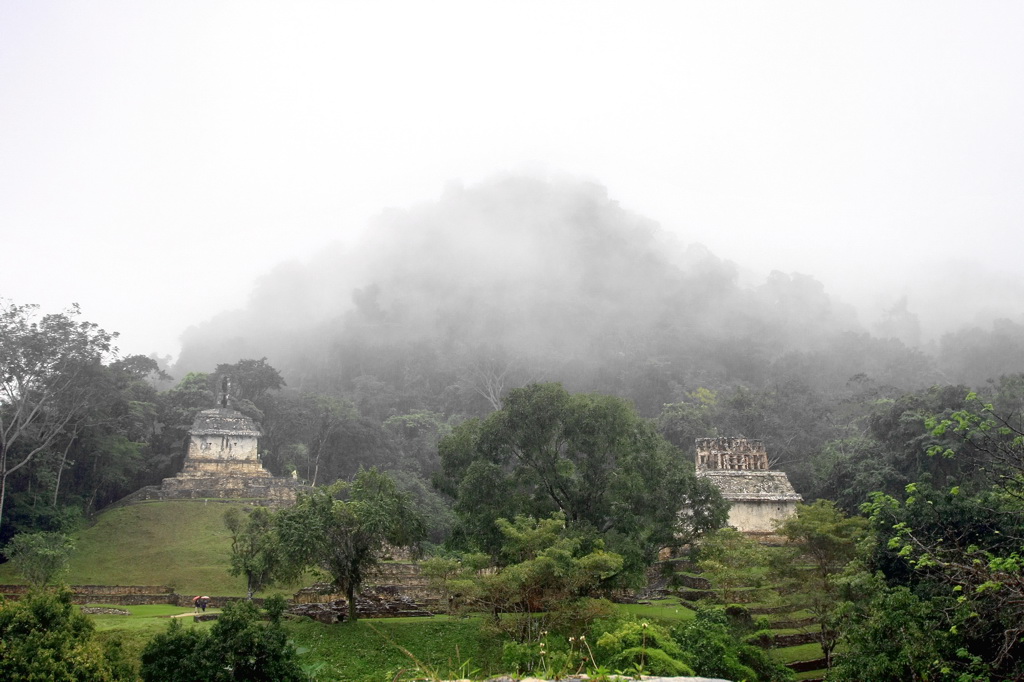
(518, 279)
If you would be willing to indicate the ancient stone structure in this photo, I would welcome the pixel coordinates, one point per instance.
(739, 467)
(222, 462)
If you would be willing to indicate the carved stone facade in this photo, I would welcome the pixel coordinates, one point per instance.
(223, 442)
(759, 497)
(731, 454)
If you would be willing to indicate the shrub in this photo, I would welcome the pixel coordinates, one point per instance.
(238, 647)
(713, 649)
(643, 647)
(44, 637)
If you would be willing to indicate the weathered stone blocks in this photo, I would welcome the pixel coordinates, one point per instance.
(739, 467)
(222, 463)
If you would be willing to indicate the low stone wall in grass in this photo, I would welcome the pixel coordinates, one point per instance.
(367, 606)
(394, 581)
(773, 641)
(125, 595)
(122, 595)
(806, 666)
(105, 590)
(105, 611)
(795, 623)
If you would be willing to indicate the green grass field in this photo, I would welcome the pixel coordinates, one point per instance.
(372, 650)
(802, 652)
(182, 544)
(150, 618)
(135, 630)
(667, 610)
(367, 651)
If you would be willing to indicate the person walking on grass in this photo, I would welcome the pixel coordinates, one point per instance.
(195, 602)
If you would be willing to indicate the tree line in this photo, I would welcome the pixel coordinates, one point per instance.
(935, 469)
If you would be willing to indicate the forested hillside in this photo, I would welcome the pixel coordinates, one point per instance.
(444, 307)
(520, 358)
(369, 355)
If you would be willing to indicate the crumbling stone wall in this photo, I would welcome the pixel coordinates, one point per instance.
(731, 454)
(125, 595)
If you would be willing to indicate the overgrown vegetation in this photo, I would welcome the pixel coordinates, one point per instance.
(534, 436)
(40, 558)
(45, 637)
(237, 647)
(345, 538)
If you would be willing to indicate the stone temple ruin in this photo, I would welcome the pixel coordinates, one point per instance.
(739, 467)
(222, 462)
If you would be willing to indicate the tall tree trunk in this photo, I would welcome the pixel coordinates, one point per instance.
(3, 491)
(316, 466)
(350, 593)
(60, 468)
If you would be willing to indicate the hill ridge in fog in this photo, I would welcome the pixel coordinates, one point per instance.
(552, 275)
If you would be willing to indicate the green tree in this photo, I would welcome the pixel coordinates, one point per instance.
(103, 452)
(255, 549)
(823, 541)
(848, 470)
(545, 567)
(590, 457)
(238, 647)
(45, 364)
(45, 637)
(960, 552)
(417, 435)
(40, 557)
(101, 447)
(322, 419)
(177, 409)
(891, 634)
(344, 529)
(739, 568)
(961, 539)
(683, 422)
(250, 379)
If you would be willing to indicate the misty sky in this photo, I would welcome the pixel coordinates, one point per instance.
(157, 157)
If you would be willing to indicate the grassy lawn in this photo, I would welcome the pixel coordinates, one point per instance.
(183, 544)
(790, 615)
(134, 631)
(669, 609)
(150, 617)
(803, 652)
(372, 650)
